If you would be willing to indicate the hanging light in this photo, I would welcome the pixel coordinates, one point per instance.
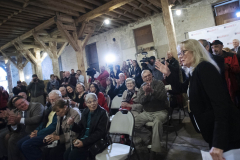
(238, 14)
(178, 12)
(106, 21)
(27, 77)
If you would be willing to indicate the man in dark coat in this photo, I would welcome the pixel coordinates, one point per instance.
(236, 48)
(19, 88)
(121, 86)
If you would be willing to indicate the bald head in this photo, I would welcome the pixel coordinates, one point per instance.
(23, 94)
(102, 68)
(67, 73)
(169, 55)
(63, 91)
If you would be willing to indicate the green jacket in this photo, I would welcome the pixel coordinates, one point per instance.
(36, 89)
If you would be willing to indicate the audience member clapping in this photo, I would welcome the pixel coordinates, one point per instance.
(121, 86)
(129, 98)
(78, 101)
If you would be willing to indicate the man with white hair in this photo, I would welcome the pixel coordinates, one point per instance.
(30, 145)
(68, 80)
(121, 86)
(153, 97)
(236, 46)
(63, 91)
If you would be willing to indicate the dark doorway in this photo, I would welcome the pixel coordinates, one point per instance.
(92, 56)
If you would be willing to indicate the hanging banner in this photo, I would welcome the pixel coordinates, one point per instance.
(225, 33)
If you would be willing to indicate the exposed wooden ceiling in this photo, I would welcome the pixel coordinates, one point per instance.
(20, 16)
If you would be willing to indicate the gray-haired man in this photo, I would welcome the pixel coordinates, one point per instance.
(153, 97)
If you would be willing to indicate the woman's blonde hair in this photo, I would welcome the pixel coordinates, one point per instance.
(199, 52)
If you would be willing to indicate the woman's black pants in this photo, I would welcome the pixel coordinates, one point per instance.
(76, 154)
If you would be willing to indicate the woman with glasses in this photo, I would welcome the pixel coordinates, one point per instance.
(101, 99)
(213, 113)
(91, 129)
(61, 138)
(79, 98)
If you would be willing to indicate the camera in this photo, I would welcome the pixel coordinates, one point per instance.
(91, 72)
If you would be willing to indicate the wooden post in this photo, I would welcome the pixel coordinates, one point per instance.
(38, 65)
(9, 75)
(21, 74)
(80, 61)
(169, 25)
(20, 67)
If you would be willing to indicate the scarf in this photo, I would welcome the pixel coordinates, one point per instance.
(53, 82)
(130, 94)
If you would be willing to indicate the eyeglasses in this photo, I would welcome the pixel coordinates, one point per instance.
(182, 53)
(89, 102)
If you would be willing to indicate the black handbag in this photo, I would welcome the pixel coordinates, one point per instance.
(100, 146)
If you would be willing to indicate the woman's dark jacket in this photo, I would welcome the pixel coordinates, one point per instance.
(216, 117)
(138, 77)
(98, 126)
(111, 92)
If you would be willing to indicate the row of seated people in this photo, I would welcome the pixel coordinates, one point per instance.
(27, 132)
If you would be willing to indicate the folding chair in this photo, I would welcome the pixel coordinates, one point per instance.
(116, 104)
(122, 123)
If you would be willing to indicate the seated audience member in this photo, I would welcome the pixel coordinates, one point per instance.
(30, 145)
(118, 71)
(73, 73)
(19, 88)
(52, 84)
(136, 73)
(71, 92)
(63, 91)
(129, 98)
(80, 77)
(101, 99)
(125, 69)
(63, 77)
(92, 127)
(27, 117)
(78, 101)
(121, 86)
(68, 80)
(23, 94)
(110, 88)
(3, 98)
(156, 73)
(101, 89)
(57, 79)
(153, 97)
(62, 134)
(231, 67)
(103, 76)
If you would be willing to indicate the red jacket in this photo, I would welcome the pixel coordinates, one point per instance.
(102, 78)
(231, 69)
(3, 99)
(102, 101)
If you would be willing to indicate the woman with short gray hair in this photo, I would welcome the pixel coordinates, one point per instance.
(129, 98)
(91, 128)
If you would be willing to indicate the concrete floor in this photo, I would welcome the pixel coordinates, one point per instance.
(186, 146)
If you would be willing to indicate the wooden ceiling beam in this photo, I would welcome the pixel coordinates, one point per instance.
(114, 15)
(140, 7)
(29, 33)
(20, 24)
(80, 3)
(23, 21)
(156, 3)
(64, 5)
(54, 8)
(95, 2)
(10, 5)
(149, 5)
(131, 10)
(109, 6)
(123, 13)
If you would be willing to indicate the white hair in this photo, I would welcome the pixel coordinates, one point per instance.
(130, 80)
(144, 71)
(199, 52)
(57, 93)
(91, 96)
(62, 88)
(236, 40)
(121, 74)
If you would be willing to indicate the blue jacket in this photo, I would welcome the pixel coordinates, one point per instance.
(42, 130)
